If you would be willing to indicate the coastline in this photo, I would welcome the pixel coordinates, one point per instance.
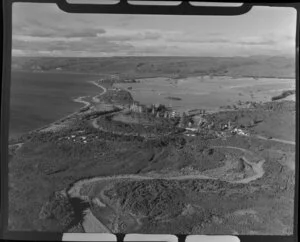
(95, 99)
(80, 99)
(90, 222)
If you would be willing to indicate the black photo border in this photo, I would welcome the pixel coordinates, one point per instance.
(122, 8)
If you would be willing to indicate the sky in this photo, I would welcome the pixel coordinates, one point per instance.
(45, 30)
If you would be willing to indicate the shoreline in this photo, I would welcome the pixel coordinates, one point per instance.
(64, 118)
(95, 99)
(78, 100)
(95, 223)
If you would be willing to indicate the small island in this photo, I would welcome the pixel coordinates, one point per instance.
(284, 94)
(174, 98)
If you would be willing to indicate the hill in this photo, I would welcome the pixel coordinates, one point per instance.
(132, 67)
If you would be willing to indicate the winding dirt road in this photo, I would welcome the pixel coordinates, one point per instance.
(97, 126)
(276, 140)
(89, 223)
(257, 167)
(92, 224)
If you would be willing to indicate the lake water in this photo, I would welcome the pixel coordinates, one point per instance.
(38, 99)
(204, 92)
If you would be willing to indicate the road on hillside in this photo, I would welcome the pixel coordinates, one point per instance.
(276, 140)
(257, 167)
(90, 219)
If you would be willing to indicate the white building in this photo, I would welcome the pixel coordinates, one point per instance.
(174, 114)
(239, 132)
(135, 107)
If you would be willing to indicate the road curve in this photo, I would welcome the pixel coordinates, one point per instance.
(74, 191)
(92, 224)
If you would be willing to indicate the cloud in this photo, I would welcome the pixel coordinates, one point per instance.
(270, 40)
(154, 35)
(84, 33)
(89, 45)
(43, 29)
(145, 42)
(116, 34)
(113, 41)
(196, 37)
(86, 36)
(266, 42)
(124, 20)
(258, 40)
(200, 40)
(68, 32)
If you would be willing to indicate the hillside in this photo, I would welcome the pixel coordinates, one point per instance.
(255, 66)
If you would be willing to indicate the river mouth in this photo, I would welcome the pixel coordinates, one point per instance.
(79, 207)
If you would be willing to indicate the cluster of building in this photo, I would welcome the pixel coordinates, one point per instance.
(225, 129)
(157, 110)
(233, 130)
(240, 132)
(114, 77)
(192, 124)
(137, 108)
(77, 139)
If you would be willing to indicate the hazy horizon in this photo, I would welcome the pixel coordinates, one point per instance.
(161, 56)
(43, 30)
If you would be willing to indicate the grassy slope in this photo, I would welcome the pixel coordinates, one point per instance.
(278, 120)
(29, 180)
(40, 168)
(257, 66)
